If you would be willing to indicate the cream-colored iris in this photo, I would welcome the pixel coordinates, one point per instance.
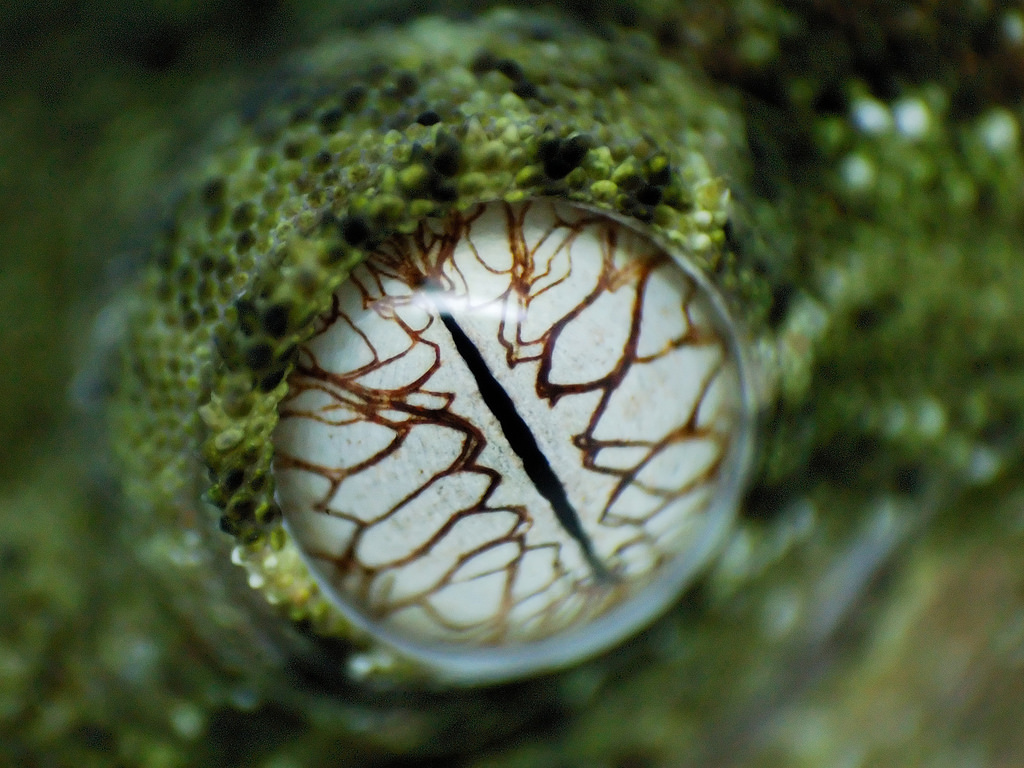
(514, 437)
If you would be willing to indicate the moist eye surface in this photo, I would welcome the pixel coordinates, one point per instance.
(512, 423)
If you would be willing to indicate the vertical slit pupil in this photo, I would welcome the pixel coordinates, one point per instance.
(522, 441)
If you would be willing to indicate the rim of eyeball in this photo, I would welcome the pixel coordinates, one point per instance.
(468, 665)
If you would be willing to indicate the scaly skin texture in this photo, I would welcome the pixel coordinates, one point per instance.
(868, 609)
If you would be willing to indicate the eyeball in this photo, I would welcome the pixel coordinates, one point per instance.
(440, 369)
(513, 437)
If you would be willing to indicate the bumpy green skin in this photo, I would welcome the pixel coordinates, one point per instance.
(371, 135)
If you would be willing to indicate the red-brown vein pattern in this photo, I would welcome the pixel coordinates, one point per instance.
(399, 483)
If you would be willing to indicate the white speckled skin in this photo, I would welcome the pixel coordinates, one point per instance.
(400, 483)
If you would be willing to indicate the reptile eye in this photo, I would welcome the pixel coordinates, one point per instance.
(514, 436)
(465, 398)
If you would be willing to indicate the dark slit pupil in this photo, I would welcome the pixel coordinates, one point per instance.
(522, 441)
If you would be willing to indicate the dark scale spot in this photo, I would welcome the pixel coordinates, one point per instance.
(213, 191)
(244, 241)
(405, 85)
(643, 213)
(649, 194)
(525, 90)
(548, 149)
(190, 320)
(782, 297)
(206, 264)
(257, 483)
(271, 380)
(430, 117)
(631, 183)
(446, 158)
(301, 115)
(242, 509)
(243, 216)
(292, 150)
(483, 62)
(561, 156)
(442, 191)
(668, 35)
(575, 148)
(248, 316)
(355, 230)
(275, 321)
(233, 480)
(331, 119)
(510, 69)
(353, 98)
(662, 176)
(321, 160)
(259, 356)
(229, 526)
(633, 207)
